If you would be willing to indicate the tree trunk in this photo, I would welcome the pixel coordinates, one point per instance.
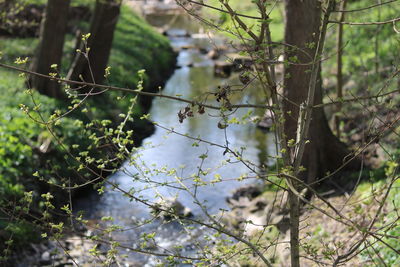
(102, 28)
(50, 48)
(339, 68)
(325, 153)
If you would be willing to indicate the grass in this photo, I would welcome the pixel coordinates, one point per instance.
(130, 43)
(387, 224)
(248, 8)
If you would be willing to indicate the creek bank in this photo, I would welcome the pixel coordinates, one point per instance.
(252, 210)
(47, 254)
(264, 217)
(29, 149)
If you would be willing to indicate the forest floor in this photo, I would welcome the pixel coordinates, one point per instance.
(327, 231)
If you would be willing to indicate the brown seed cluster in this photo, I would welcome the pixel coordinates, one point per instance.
(188, 112)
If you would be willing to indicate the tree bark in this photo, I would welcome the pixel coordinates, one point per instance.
(50, 48)
(103, 24)
(324, 153)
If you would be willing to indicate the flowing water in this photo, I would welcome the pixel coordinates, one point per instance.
(165, 150)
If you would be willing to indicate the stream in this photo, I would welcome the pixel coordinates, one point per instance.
(164, 151)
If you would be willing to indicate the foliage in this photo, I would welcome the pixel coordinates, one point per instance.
(93, 141)
(383, 252)
(224, 21)
(377, 54)
(21, 143)
(21, 138)
(369, 50)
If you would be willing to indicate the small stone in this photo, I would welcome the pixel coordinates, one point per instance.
(165, 208)
(187, 212)
(45, 258)
(222, 69)
(213, 54)
(248, 191)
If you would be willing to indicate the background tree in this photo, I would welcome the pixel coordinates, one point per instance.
(324, 153)
(50, 49)
(90, 65)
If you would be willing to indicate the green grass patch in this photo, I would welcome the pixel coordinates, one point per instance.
(388, 222)
(224, 21)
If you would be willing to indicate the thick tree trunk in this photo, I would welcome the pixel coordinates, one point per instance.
(325, 153)
(102, 28)
(50, 48)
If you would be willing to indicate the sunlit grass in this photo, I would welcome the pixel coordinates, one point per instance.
(248, 8)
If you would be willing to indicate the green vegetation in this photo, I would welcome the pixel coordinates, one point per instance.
(371, 56)
(376, 56)
(30, 157)
(42, 165)
(248, 8)
(20, 154)
(387, 246)
(378, 52)
(131, 42)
